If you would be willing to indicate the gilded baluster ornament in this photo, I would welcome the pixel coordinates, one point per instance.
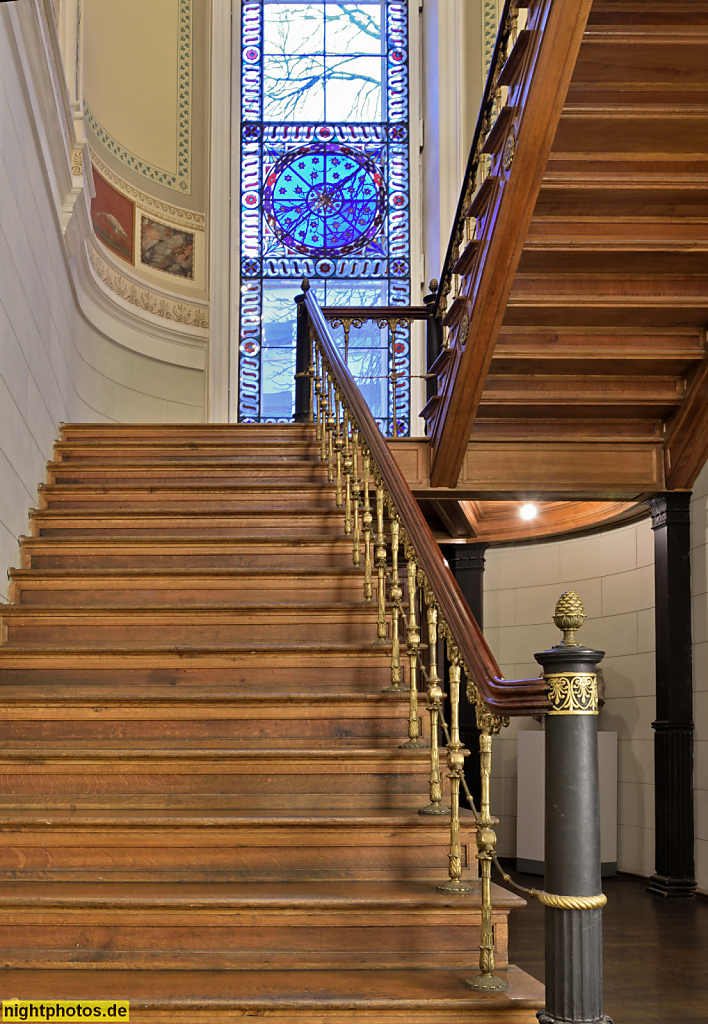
(356, 498)
(347, 463)
(311, 378)
(330, 422)
(489, 725)
(366, 523)
(338, 447)
(380, 562)
(413, 649)
(455, 763)
(435, 696)
(318, 399)
(396, 595)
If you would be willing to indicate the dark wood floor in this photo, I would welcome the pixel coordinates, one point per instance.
(656, 951)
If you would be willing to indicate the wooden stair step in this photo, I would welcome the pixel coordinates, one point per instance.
(282, 720)
(238, 552)
(223, 669)
(195, 844)
(236, 926)
(179, 586)
(193, 623)
(285, 472)
(291, 997)
(174, 450)
(252, 433)
(158, 497)
(263, 521)
(243, 777)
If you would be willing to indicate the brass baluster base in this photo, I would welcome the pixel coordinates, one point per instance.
(487, 983)
(412, 745)
(456, 886)
(434, 809)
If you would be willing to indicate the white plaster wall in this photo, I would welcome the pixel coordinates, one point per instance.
(53, 364)
(699, 578)
(613, 572)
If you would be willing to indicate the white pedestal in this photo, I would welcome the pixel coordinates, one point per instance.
(531, 795)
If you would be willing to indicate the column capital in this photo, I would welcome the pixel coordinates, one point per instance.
(669, 507)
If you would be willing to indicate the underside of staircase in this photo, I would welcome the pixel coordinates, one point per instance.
(204, 805)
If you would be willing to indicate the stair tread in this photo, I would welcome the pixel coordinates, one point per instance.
(373, 990)
(159, 749)
(197, 817)
(306, 895)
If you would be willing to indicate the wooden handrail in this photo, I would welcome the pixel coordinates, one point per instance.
(503, 696)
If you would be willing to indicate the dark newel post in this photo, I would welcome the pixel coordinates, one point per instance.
(433, 339)
(573, 896)
(302, 362)
(673, 728)
(466, 562)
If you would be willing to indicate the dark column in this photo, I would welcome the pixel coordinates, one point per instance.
(433, 339)
(466, 562)
(673, 728)
(572, 830)
(302, 362)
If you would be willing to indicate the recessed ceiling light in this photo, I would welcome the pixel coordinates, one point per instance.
(528, 511)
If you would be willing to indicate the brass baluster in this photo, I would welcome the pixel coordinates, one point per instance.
(380, 561)
(330, 431)
(455, 763)
(338, 446)
(311, 378)
(396, 594)
(435, 696)
(318, 399)
(413, 642)
(356, 497)
(367, 522)
(488, 725)
(347, 464)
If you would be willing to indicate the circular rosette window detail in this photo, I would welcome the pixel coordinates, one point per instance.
(325, 199)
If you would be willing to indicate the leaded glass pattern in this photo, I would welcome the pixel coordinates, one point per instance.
(324, 190)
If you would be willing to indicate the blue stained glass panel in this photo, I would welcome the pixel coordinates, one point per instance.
(324, 190)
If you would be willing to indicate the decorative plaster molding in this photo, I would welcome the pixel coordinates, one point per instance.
(181, 180)
(150, 302)
(176, 214)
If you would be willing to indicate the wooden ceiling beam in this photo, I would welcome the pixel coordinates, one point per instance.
(452, 514)
(686, 448)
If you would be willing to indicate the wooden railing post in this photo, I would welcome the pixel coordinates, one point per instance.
(573, 897)
(302, 362)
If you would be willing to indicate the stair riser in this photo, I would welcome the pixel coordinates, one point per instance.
(110, 454)
(261, 526)
(260, 673)
(346, 726)
(77, 633)
(201, 499)
(265, 588)
(190, 433)
(233, 854)
(259, 783)
(278, 476)
(185, 939)
(338, 557)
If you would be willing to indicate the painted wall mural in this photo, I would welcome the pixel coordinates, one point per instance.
(165, 248)
(113, 217)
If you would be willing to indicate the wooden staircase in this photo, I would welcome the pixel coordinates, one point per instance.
(204, 806)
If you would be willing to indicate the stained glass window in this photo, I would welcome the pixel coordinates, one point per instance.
(324, 190)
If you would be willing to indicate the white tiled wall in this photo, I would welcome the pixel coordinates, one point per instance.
(53, 364)
(613, 573)
(699, 578)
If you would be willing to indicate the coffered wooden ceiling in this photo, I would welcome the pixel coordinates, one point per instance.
(589, 378)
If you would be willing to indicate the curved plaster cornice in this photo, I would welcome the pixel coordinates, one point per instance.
(157, 324)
